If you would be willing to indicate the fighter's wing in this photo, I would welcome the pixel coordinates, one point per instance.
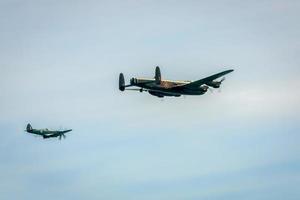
(196, 84)
(64, 131)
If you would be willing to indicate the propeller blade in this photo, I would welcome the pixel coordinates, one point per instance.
(223, 79)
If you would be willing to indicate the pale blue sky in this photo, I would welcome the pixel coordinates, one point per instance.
(59, 65)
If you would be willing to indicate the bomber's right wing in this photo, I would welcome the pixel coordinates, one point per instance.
(196, 84)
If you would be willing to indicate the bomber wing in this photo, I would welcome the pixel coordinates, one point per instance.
(196, 84)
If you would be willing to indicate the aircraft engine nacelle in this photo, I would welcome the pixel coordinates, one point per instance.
(121, 82)
(214, 84)
(204, 88)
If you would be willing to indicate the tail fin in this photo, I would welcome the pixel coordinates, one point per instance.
(157, 75)
(29, 127)
(121, 82)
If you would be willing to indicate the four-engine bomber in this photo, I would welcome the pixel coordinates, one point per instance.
(158, 87)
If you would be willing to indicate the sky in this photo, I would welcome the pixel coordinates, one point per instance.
(59, 67)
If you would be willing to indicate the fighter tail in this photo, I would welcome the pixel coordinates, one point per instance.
(28, 128)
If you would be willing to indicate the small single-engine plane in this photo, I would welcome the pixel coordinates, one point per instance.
(161, 88)
(47, 133)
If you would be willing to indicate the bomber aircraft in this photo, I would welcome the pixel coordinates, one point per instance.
(161, 88)
(47, 133)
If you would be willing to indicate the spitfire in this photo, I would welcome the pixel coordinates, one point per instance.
(158, 87)
(45, 133)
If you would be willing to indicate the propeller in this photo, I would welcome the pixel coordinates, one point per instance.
(218, 84)
(62, 135)
(204, 87)
(223, 79)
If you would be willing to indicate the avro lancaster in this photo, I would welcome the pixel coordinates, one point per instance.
(158, 87)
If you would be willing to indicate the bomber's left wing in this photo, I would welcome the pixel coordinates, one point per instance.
(196, 84)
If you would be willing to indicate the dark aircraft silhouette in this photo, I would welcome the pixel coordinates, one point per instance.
(161, 88)
(47, 133)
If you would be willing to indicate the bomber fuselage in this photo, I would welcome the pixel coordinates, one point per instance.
(166, 87)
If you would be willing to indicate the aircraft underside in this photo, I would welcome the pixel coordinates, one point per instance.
(163, 93)
(49, 136)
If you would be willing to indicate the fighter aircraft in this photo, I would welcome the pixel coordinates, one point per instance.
(47, 133)
(161, 88)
